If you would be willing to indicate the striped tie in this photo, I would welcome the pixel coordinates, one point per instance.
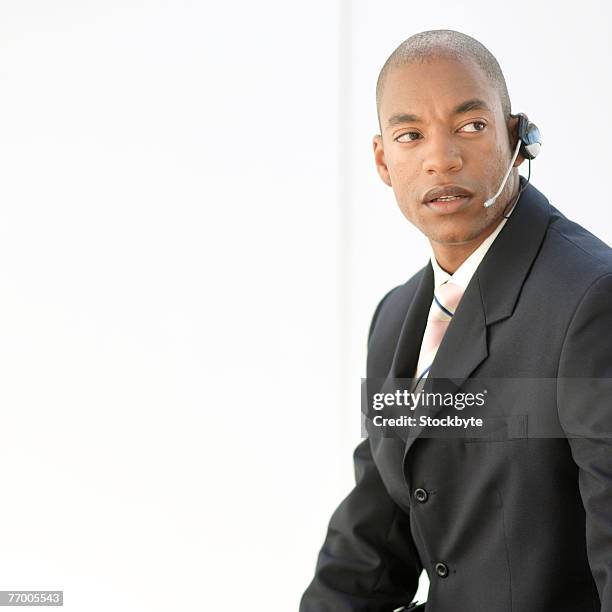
(443, 306)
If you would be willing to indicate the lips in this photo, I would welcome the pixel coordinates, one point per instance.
(448, 193)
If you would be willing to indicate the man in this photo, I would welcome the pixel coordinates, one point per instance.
(519, 518)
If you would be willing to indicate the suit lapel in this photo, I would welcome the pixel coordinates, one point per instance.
(409, 342)
(464, 345)
(507, 263)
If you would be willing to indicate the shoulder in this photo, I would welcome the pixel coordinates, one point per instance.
(394, 303)
(570, 260)
(575, 252)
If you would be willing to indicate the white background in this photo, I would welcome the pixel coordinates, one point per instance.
(193, 239)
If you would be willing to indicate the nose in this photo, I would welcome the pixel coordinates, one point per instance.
(442, 155)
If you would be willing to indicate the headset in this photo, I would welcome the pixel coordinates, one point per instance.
(529, 144)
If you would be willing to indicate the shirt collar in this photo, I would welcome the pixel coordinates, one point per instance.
(465, 271)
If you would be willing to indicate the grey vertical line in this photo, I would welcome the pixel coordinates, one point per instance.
(344, 246)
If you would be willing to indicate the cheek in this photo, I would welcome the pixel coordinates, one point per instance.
(498, 156)
(487, 170)
(406, 193)
(404, 175)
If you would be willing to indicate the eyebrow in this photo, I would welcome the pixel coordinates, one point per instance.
(460, 109)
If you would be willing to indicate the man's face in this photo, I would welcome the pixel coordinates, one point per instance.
(429, 141)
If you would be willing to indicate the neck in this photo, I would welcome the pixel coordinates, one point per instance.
(451, 256)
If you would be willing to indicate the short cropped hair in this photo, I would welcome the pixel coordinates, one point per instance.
(445, 43)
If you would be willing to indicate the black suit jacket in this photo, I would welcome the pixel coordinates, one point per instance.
(505, 522)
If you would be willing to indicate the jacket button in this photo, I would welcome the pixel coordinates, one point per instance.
(421, 495)
(442, 570)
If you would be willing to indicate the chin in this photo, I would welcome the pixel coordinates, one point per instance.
(454, 239)
(454, 235)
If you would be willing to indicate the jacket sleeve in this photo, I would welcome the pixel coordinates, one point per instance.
(584, 388)
(368, 562)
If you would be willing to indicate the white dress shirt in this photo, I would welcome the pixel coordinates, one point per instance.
(461, 276)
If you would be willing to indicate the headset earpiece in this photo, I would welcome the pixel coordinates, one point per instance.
(528, 145)
(529, 135)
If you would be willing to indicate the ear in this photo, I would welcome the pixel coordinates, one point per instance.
(379, 159)
(513, 124)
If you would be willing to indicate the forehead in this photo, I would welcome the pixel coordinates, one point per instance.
(436, 85)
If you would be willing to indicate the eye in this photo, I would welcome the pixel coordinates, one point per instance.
(410, 135)
(479, 126)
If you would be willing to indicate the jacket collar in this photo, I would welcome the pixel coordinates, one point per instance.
(502, 273)
(490, 296)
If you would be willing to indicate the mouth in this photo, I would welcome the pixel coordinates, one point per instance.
(447, 198)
